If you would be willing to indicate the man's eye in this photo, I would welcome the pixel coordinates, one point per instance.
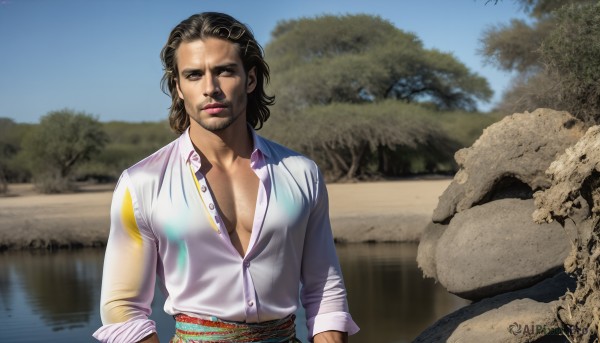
(226, 72)
(194, 76)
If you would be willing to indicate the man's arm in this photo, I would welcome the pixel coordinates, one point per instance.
(323, 293)
(331, 337)
(129, 271)
(153, 338)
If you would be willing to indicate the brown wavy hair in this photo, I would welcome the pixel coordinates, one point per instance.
(222, 26)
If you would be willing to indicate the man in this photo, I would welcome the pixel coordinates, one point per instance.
(231, 223)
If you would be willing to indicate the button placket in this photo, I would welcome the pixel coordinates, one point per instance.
(207, 199)
(249, 294)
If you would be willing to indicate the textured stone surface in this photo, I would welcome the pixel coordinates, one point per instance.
(572, 173)
(513, 322)
(489, 320)
(574, 198)
(508, 160)
(496, 247)
(427, 248)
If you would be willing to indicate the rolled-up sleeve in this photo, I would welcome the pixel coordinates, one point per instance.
(323, 293)
(129, 271)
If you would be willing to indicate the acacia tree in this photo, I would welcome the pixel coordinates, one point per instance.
(364, 58)
(554, 56)
(61, 141)
(341, 83)
(515, 46)
(349, 136)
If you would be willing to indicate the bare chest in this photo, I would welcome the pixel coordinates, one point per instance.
(235, 194)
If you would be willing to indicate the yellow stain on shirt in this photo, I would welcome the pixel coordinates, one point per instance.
(129, 223)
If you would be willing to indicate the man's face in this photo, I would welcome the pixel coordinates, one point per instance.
(212, 82)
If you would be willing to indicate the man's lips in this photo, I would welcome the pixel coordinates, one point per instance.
(214, 108)
(213, 105)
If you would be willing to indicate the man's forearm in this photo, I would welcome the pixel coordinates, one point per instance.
(331, 337)
(153, 338)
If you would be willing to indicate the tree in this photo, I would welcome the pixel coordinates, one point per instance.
(347, 90)
(128, 144)
(540, 8)
(553, 56)
(570, 54)
(363, 58)
(61, 141)
(11, 170)
(7, 150)
(358, 141)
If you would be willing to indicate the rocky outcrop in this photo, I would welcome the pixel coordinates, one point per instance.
(496, 247)
(506, 317)
(574, 199)
(427, 249)
(489, 247)
(508, 160)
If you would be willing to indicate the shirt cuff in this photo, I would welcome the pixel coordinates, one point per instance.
(336, 321)
(132, 330)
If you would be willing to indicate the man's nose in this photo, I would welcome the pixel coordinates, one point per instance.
(211, 86)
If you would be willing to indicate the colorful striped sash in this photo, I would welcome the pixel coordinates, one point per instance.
(197, 330)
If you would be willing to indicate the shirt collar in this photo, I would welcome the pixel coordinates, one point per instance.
(189, 154)
(259, 143)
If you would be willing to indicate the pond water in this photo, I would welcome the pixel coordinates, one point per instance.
(54, 297)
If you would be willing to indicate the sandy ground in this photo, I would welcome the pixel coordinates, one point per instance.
(360, 212)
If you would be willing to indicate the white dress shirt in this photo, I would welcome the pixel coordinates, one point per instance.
(164, 221)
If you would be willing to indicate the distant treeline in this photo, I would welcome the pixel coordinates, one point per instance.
(119, 145)
(384, 140)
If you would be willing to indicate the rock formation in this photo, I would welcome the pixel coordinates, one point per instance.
(504, 318)
(508, 160)
(483, 243)
(574, 200)
(496, 247)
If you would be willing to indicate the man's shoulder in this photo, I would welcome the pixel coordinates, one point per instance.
(293, 161)
(156, 162)
(278, 152)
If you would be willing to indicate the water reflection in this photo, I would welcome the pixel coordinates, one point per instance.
(54, 297)
(388, 296)
(6, 303)
(61, 286)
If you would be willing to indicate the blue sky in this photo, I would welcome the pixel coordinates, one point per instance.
(102, 56)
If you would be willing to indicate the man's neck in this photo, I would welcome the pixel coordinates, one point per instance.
(223, 147)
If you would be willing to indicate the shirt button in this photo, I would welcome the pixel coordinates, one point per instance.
(211, 206)
(247, 264)
(219, 232)
(203, 188)
(250, 303)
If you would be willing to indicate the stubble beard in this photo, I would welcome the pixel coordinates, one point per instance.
(219, 125)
